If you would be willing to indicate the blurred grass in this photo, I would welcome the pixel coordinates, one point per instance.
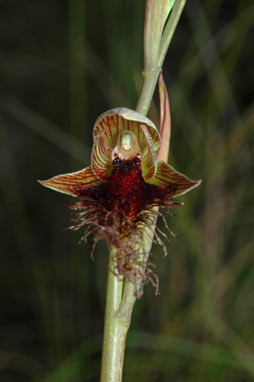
(62, 65)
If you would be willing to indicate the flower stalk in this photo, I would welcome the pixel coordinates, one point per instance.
(119, 309)
(114, 329)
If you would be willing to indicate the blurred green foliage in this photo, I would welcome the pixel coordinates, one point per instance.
(62, 64)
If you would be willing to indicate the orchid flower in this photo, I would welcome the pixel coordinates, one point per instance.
(117, 193)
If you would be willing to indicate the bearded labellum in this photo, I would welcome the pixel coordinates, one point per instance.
(118, 192)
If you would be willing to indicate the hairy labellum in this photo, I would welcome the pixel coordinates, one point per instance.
(126, 192)
(117, 211)
(119, 191)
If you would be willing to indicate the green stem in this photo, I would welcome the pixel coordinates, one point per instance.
(114, 330)
(151, 74)
(118, 315)
(119, 306)
(146, 94)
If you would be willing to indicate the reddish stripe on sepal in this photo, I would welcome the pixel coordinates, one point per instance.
(71, 182)
(167, 176)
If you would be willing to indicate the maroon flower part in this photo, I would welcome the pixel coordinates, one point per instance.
(118, 192)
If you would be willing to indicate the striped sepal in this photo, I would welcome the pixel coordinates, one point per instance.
(118, 119)
(106, 130)
(70, 183)
(167, 176)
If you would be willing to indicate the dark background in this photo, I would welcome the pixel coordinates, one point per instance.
(61, 65)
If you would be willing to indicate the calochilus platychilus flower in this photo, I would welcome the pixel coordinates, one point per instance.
(117, 193)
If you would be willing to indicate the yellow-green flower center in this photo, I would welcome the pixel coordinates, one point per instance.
(127, 146)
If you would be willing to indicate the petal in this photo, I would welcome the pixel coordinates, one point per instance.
(167, 176)
(165, 121)
(148, 160)
(70, 183)
(101, 161)
(106, 130)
